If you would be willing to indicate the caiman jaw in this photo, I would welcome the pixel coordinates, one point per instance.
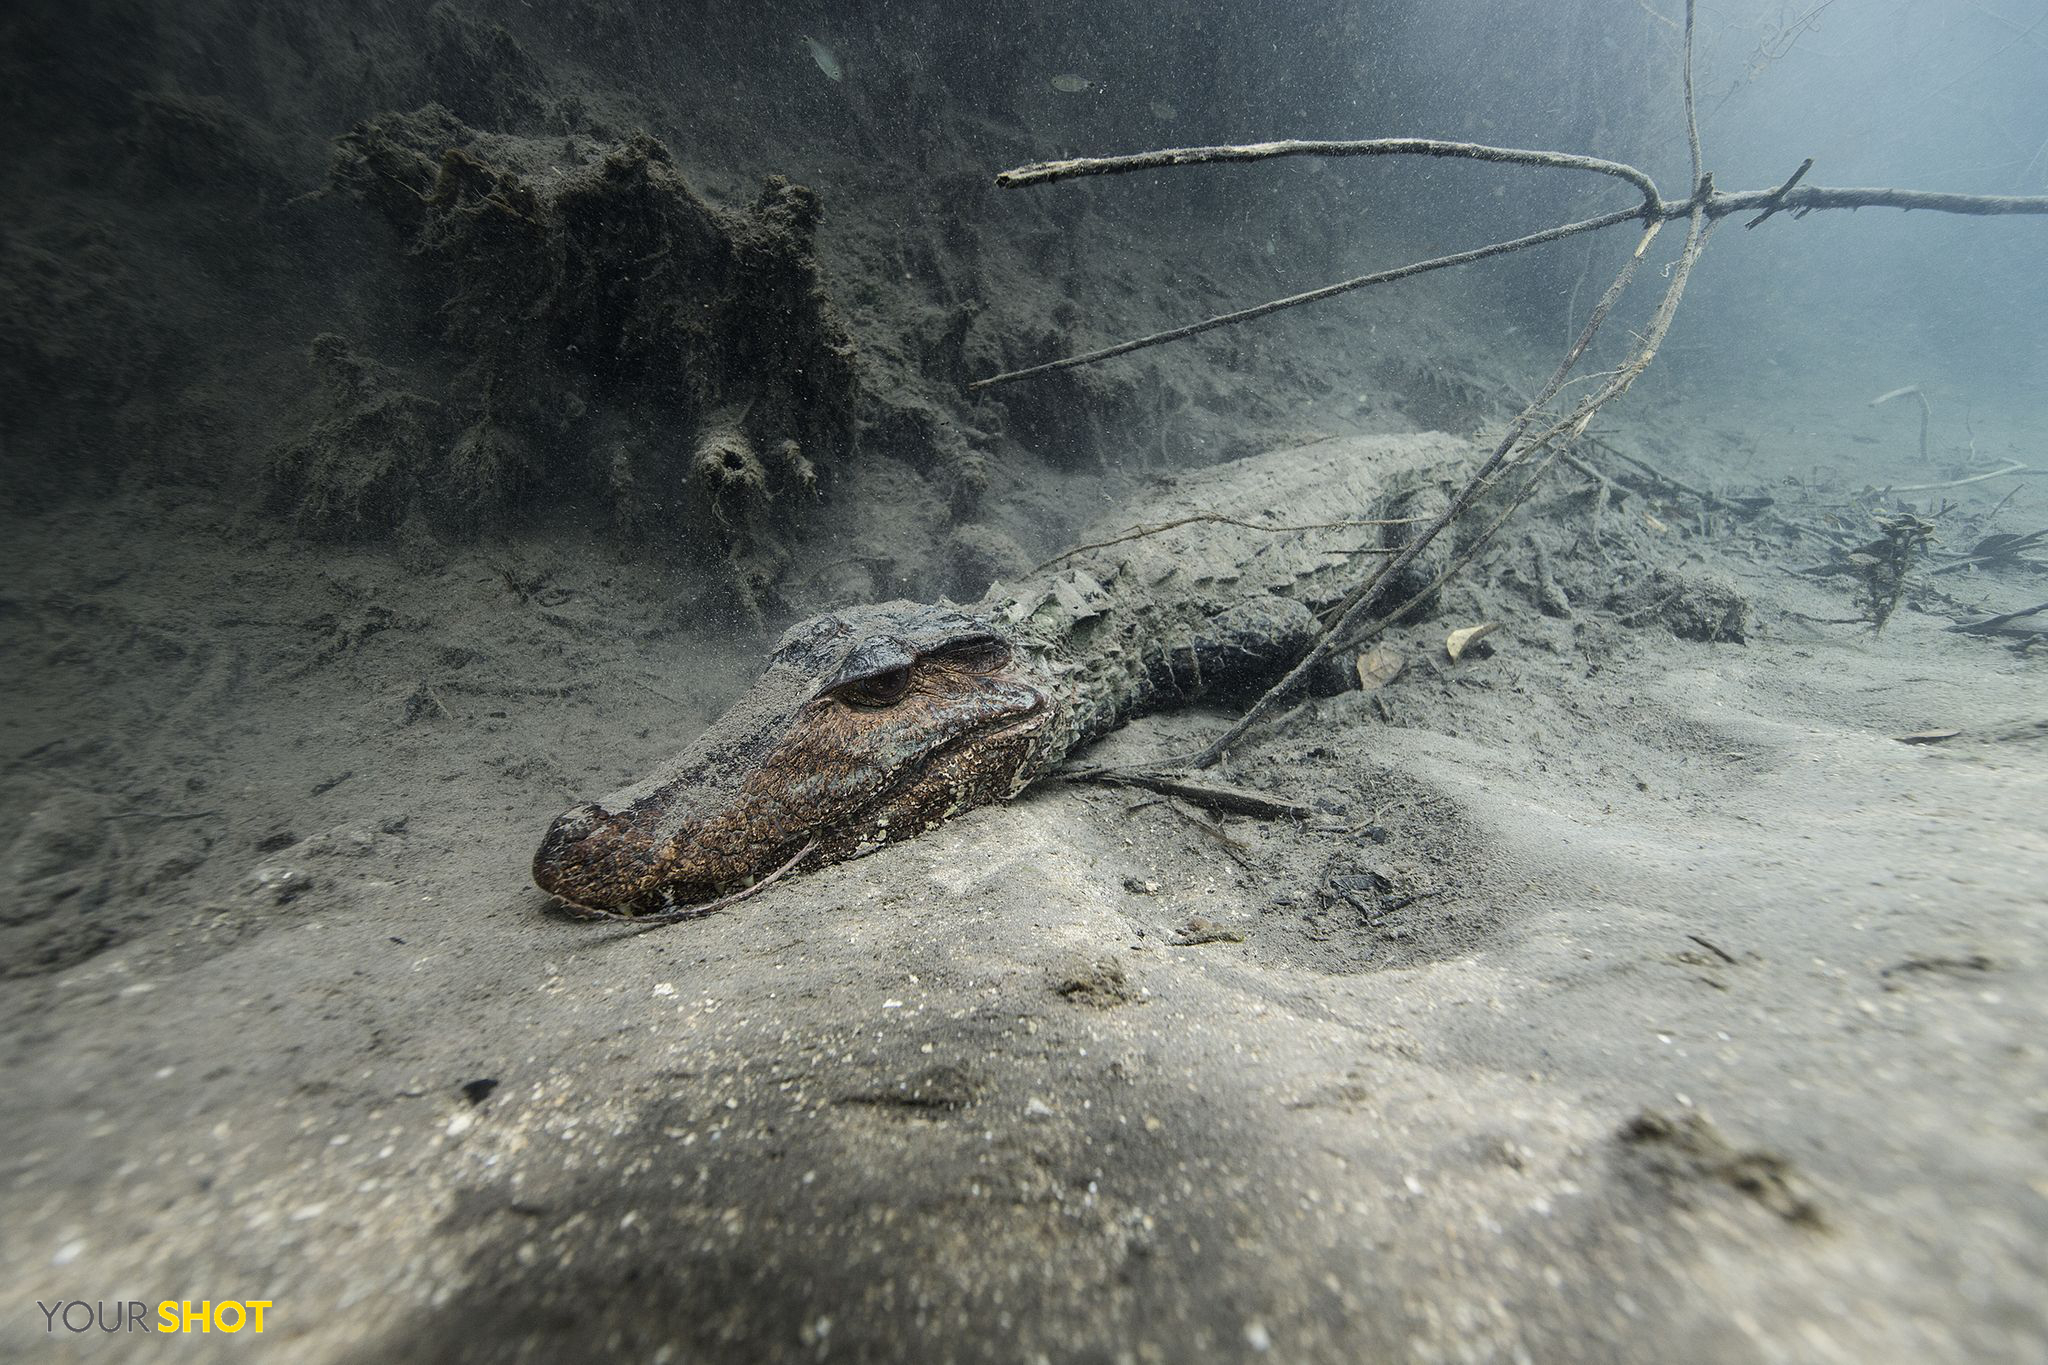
(899, 725)
(558, 866)
(598, 860)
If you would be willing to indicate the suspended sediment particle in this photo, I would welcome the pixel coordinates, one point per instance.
(822, 55)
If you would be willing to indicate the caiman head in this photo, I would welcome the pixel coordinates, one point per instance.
(868, 725)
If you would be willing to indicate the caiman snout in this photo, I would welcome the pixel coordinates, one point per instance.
(572, 825)
(635, 854)
(868, 725)
(556, 861)
(579, 856)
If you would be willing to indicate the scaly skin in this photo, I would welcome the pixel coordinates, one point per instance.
(874, 724)
(869, 725)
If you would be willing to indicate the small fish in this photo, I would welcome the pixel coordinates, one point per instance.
(1163, 111)
(1071, 85)
(822, 55)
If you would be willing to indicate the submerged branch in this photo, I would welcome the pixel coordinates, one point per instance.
(1990, 625)
(1807, 198)
(1569, 428)
(1701, 209)
(1312, 296)
(1926, 413)
(1692, 120)
(1039, 172)
(2011, 469)
(1234, 800)
(1790, 196)
(1799, 200)
(1354, 609)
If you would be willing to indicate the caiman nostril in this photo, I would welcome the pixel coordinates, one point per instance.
(562, 866)
(575, 824)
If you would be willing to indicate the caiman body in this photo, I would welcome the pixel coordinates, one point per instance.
(875, 723)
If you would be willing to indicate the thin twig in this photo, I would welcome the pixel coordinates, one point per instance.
(1718, 205)
(162, 815)
(1356, 607)
(1466, 556)
(1692, 122)
(1988, 561)
(651, 688)
(1600, 481)
(1235, 800)
(1808, 198)
(1990, 624)
(1574, 422)
(1139, 532)
(1234, 849)
(1778, 195)
(1926, 413)
(1666, 600)
(1312, 296)
(1039, 172)
(1716, 949)
(2014, 469)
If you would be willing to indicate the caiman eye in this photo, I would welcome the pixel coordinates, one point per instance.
(878, 689)
(976, 656)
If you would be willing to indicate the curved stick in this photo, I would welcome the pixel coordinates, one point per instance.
(1702, 209)
(1716, 205)
(1790, 195)
(1038, 172)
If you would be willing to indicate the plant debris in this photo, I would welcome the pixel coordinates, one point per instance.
(1882, 564)
(1379, 666)
(1678, 1152)
(1458, 641)
(1199, 930)
(2002, 624)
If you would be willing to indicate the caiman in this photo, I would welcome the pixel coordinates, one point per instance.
(875, 723)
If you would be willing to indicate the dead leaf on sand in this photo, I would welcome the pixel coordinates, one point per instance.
(1379, 666)
(1927, 736)
(1458, 641)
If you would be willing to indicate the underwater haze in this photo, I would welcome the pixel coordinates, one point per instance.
(621, 742)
